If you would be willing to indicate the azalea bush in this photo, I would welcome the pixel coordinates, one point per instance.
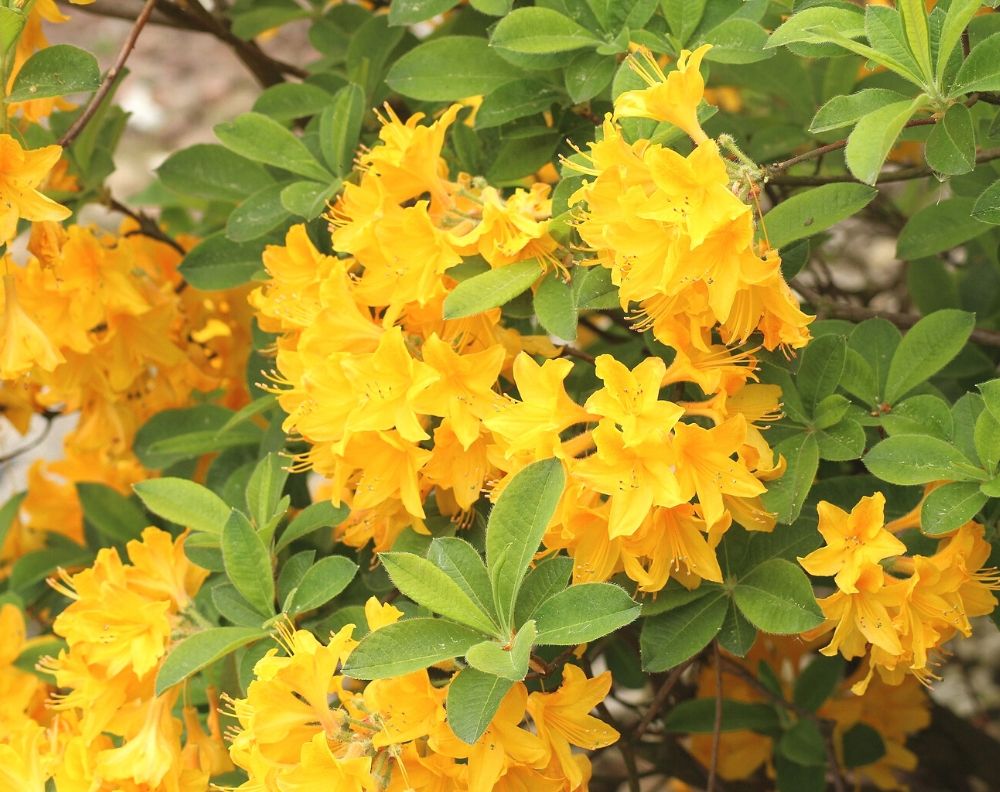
(485, 409)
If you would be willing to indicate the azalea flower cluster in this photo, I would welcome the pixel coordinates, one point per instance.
(895, 711)
(398, 404)
(895, 609)
(102, 726)
(98, 324)
(302, 726)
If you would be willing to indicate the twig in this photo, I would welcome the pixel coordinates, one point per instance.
(660, 698)
(127, 9)
(109, 79)
(573, 352)
(781, 167)
(738, 670)
(713, 765)
(147, 225)
(858, 313)
(903, 174)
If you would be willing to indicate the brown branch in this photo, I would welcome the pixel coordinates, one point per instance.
(147, 225)
(127, 9)
(836, 309)
(903, 174)
(579, 354)
(109, 79)
(713, 765)
(660, 698)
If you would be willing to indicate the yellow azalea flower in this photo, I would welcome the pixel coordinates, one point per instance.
(382, 466)
(635, 478)
(964, 553)
(463, 391)
(863, 616)
(378, 614)
(408, 707)
(24, 345)
(461, 471)
(208, 749)
(25, 762)
(386, 385)
(675, 542)
(563, 720)
(631, 399)
(318, 768)
(21, 172)
(149, 754)
(705, 466)
(672, 97)
(853, 541)
(534, 423)
(503, 745)
(159, 568)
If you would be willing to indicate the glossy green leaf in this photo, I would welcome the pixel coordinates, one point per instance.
(248, 563)
(582, 613)
(200, 650)
(184, 502)
(492, 288)
(450, 68)
(670, 638)
(473, 699)
(918, 459)
(409, 645)
(927, 348)
(56, 70)
(537, 30)
(117, 518)
(262, 139)
(951, 146)
(777, 597)
(815, 210)
(323, 581)
(869, 143)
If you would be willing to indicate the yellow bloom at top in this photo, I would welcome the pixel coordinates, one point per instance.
(670, 97)
(631, 399)
(852, 541)
(21, 172)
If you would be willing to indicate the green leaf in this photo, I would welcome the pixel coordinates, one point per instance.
(817, 682)
(515, 100)
(200, 650)
(546, 580)
(184, 502)
(262, 139)
(842, 442)
(256, 216)
(876, 341)
(939, 227)
(586, 76)
(460, 561)
(697, 716)
(218, 262)
(8, 513)
(801, 27)
(308, 199)
(114, 516)
(863, 745)
(322, 514)
(831, 409)
(473, 700)
(340, 128)
(807, 213)
(233, 607)
(323, 581)
(915, 23)
(173, 435)
(555, 307)
(981, 70)
(918, 459)
(511, 662)
(843, 111)
(869, 143)
(987, 206)
(927, 348)
(537, 30)
(670, 638)
(737, 635)
(951, 506)
(34, 567)
(248, 563)
(425, 584)
(960, 13)
(594, 289)
(11, 23)
(409, 645)
(683, 17)
(923, 414)
(450, 68)
(212, 172)
(515, 529)
(289, 101)
(777, 597)
(986, 437)
(264, 489)
(794, 777)
(409, 12)
(820, 369)
(490, 289)
(803, 744)
(737, 40)
(582, 613)
(951, 145)
(56, 70)
(787, 495)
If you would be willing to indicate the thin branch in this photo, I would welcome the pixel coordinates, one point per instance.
(660, 698)
(903, 174)
(109, 79)
(835, 309)
(713, 765)
(147, 225)
(32, 444)
(573, 352)
(127, 9)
